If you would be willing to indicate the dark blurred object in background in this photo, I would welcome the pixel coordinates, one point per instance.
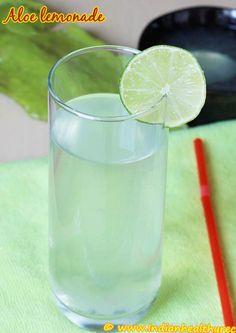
(210, 34)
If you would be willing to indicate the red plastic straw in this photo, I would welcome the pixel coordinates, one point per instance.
(213, 235)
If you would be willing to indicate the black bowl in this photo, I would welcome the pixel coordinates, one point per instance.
(210, 34)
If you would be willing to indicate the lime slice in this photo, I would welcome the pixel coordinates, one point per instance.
(167, 82)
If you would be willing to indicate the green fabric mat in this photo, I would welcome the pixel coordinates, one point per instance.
(188, 293)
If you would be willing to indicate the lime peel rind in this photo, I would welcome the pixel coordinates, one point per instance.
(164, 71)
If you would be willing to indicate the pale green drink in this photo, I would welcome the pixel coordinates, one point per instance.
(107, 200)
(108, 173)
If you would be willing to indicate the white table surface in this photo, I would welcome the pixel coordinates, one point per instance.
(21, 137)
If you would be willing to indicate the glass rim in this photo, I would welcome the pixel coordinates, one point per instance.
(77, 113)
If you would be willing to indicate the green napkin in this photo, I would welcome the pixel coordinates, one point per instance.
(189, 292)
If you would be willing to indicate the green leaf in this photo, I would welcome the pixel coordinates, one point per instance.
(28, 51)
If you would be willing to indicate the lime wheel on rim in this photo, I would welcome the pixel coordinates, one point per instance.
(167, 82)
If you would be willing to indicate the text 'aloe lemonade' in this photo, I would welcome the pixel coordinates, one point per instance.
(105, 240)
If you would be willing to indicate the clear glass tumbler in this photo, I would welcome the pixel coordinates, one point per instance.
(107, 190)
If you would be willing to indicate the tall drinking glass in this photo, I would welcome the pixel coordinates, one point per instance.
(107, 190)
